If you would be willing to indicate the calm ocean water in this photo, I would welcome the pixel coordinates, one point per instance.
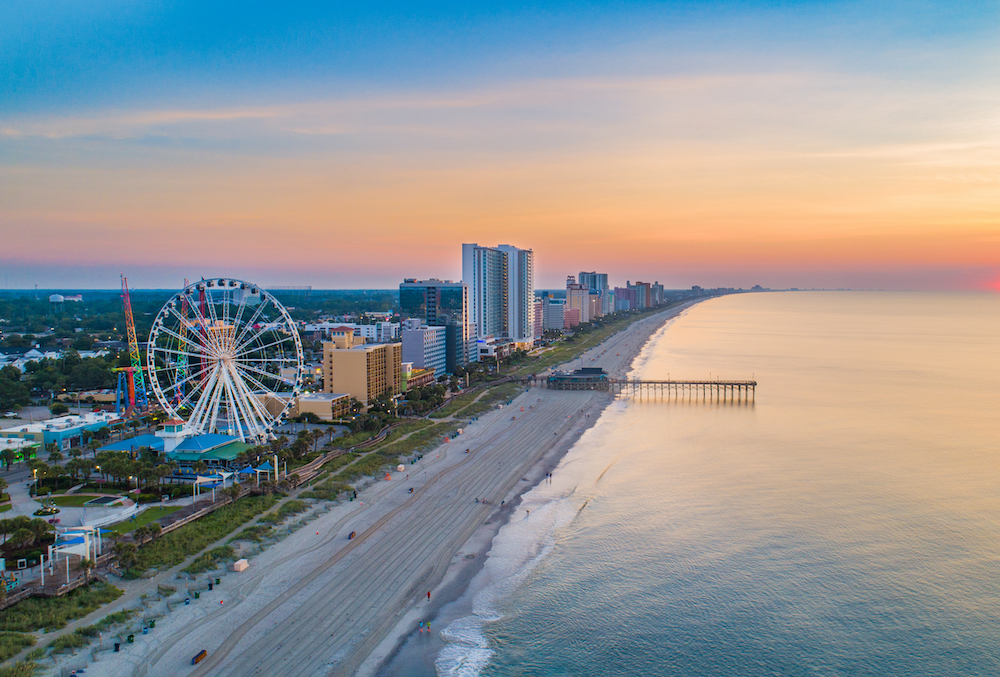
(846, 523)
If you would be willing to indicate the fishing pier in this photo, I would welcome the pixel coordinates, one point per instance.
(590, 378)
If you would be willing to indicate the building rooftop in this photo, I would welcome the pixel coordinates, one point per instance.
(202, 443)
(64, 423)
(133, 443)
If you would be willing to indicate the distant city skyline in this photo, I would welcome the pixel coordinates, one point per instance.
(715, 143)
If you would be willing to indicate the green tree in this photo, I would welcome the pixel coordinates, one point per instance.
(126, 553)
(13, 393)
(58, 409)
(39, 528)
(7, 457)
(21, 537)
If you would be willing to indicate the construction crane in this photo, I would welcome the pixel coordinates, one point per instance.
(131, 382)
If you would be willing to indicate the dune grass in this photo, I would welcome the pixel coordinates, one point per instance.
(53, 613)
(13, 643)
(145, 517)
(171, 548)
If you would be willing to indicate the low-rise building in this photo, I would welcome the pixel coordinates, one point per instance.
(215, 451)
(24, 450)
(419, 378)
(327, 406)
(571, 318)
(65, 431)
(426, 347)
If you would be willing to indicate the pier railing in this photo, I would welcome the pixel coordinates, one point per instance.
(716, 391)
(711, 390)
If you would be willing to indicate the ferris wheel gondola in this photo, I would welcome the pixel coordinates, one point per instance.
(225, 357)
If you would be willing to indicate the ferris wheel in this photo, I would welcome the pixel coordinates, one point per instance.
(225, 357)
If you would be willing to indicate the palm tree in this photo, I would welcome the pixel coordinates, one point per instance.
(200, 467)
(139, 534)
(92, 445)
(22, 537)
(86, 565)
(126, 554)
(39, 528)
(154, 529)
(3, 486)
(316, 435)
(163, 470)
(8, 457)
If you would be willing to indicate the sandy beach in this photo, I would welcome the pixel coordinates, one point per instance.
(318, 603)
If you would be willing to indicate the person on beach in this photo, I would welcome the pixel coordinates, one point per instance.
(428, 599)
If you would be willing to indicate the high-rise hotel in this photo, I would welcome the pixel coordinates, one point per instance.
(501, 283)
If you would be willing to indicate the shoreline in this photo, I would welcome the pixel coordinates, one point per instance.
(396, 655)
(323, 604)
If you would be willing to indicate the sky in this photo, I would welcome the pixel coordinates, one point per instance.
(351, 145)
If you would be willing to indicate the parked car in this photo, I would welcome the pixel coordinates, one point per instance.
(10, 414)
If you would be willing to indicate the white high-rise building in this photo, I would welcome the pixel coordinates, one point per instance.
(501, 283)
(520, 294)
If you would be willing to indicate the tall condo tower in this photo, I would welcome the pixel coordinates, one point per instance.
(501, 282)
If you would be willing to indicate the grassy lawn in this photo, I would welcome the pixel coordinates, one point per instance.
(73, 500)
(144, 518)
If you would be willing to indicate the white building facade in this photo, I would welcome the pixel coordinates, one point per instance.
(501, 284)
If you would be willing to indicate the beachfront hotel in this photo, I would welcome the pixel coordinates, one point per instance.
(501, 283)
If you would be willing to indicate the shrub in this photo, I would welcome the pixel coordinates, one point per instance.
(256, 533)
(22, 668)
(148, 498)
(69, 641)
(210, 559)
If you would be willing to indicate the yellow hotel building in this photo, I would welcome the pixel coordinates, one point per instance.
(363, 371)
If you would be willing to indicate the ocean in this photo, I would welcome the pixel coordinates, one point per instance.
(846, 522)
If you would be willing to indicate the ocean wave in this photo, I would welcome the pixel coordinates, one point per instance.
(519, 547)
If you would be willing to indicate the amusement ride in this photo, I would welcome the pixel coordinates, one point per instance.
(224, 356)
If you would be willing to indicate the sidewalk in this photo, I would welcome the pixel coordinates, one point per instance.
(20, 502)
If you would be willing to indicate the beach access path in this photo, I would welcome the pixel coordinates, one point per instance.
(321, 604)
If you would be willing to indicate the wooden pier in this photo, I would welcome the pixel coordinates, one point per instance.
(597, 379)
(714, 391)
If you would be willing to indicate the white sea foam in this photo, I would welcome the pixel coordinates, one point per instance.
(517, 550)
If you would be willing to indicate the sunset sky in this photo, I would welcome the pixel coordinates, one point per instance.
(349, 145)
